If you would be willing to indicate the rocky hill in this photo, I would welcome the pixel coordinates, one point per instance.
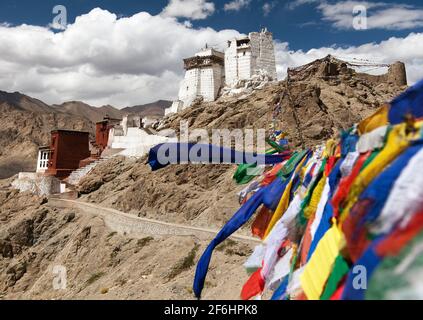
(100, 264)
(22, 102)
(319, 99)
(95, 114)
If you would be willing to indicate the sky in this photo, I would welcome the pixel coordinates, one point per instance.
(125, 53)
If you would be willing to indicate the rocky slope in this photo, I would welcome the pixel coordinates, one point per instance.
(35, 240)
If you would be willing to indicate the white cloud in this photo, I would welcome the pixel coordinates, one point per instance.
(408, 50)
(397, 18)
(297, 3)
(380, 15)
(102, 59)
(236, 5)
(191, 9)
(268, 7)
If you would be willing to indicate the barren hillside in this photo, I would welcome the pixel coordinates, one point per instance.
(100, 264)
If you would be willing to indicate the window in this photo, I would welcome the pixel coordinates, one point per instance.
(44, 157)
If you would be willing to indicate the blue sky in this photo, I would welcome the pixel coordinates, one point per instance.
(123, 52)
(302, 27)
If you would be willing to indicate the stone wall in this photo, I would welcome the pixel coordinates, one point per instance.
(245, 64)
(396, 75)
(37, 183)
(210, 82)
(219, 76)
(250, 56)
(263, 53)
(205, 82)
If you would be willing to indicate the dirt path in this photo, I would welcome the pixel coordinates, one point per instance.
(137, 227)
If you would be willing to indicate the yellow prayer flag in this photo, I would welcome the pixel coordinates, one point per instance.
(376, 120)
(319, 267)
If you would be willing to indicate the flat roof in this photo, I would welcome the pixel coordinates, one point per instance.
(70, 131)
(108, 120)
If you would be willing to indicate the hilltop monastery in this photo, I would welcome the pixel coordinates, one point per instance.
(209, 70)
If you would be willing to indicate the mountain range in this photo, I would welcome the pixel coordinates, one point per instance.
(154, 109)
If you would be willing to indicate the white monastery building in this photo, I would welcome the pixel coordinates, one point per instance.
(132, 138)
(209, 70)
(248, 56)
(204, 77)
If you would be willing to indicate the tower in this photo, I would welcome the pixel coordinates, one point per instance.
(204, 74)
(250, 55)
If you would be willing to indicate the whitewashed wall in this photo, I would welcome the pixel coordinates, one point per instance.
(210, 82)
(37, 183)
(137, 142)
(231, 64)
(245, 70)
(204, 82)
(174, 108)
(190, 86)
(263, 51)
(241, 63)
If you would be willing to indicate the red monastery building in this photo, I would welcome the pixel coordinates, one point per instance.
(102, 129)
(67, 149)
(73, 151)
(70, 150)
